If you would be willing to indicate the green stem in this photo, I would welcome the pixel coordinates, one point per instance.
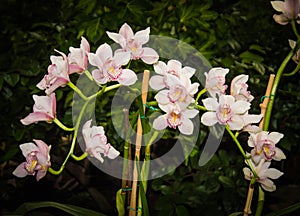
(295, 29)
(260, 204)
(77, 90)
(247, 158)
(199, 107)
(61, 125)
(294, 71)
(88, 74)
(81, 157)
(274, 89)
(200, 93)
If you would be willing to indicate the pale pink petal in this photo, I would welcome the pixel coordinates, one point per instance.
(174, 65)
(99, 77)
(279, 154)
(122, 58)
(43, 150)
(117, 38)
(188, 71)
(60, 82)
(193, 89)
(42, 104)
(247, 172)
(126, 31)
(160, 122)
(227, 99)
(267, 185)
(95, 60)
(112, 153)
(209, 118)
(128, 77)
(171, 80)
(156, 82)
(250, 119)
(240, 107)
(272, 173)
(186, 127)
(35, 117)
(275, 136)
(190, 113)
(292, 8)
(20, 171)
(210, 104)
(236, 123)
(252, 140)
(252, 129)
(104, 52)
(142, 36)
(160, 68)
(53, 101)
(162, 97)
(40, 174)
(279, 6)
(149, 55)
(27, 148)
(281, 19)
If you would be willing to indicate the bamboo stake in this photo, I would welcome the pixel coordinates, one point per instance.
(138, 144)
(263, 107)
(266, 100)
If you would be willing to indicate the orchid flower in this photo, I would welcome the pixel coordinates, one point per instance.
(296, 57)
(288, 8)
(174, 68)
(37, 160)
(133, 43)
(215, 80)
(238, 88)
(110, 67)
(180, 92)
(264, 174)
(78, 57)
(58, 74)
(44, 109)
(174, 118)
(225, 112)
(96, 142)
(264, 146)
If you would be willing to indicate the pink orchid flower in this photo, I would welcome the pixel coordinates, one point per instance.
(264, 174)
(180, 92)
(78, 57)
(225, 112)
(264, 146)
(96, 142)
(44, 109)
(238, 88)
(58, 74)
(174, 68)
(110, 67)
(174, 118)
(133, 43)
(37, 160)
(288, 8)
(215, 80)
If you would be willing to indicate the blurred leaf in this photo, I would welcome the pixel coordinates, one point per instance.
(181, 210)
(249, 57)
(71, 209)
(11, 79)
(285, 211)
(236, 214)
(226, 181)
(120, 202)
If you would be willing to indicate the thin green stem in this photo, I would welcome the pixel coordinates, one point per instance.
(81, 157)
(199, 107)
(77, 90)
(261, 200)
(274, 89)
(61, 125)
(88, 74)
(295, 29)
(200, 94)
(294, 71)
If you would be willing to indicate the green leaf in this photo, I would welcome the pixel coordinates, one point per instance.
(181, 211)
(236, 213)
(285, 211)
(226, 181)
(120, 202)
(71, 209)
(142, 193)
(11, 79)
(251, 57)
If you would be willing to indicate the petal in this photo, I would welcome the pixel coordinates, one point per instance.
(40, 174)
(279, 154)
(104, 52)
(236, 123)
(210, 104)
(128, 77)
(27, 148)
(281, 19)
(160, 122)
(193, 89)
(267, 185)
(126, 31)
(209, 118)
(142, 36)
(190, 113)
(42, 103)
(188, 71)
(112, 153)
(160, 68)
(122, 58)
(95, 60)
(117, 38)
(20, 171)
(186, 127)
(60, 82)
(272, 173)
(99, 77)
(278, 6)
(149, 55)
(156, 82)
(227, 99)
(250, 119)
(275, 136)
(240, 107)
(174, 65)
(252, 140)
(43, 147)
(247, 172)
(292, 8)
(53, 104)
(36, 117)
(162, 97)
